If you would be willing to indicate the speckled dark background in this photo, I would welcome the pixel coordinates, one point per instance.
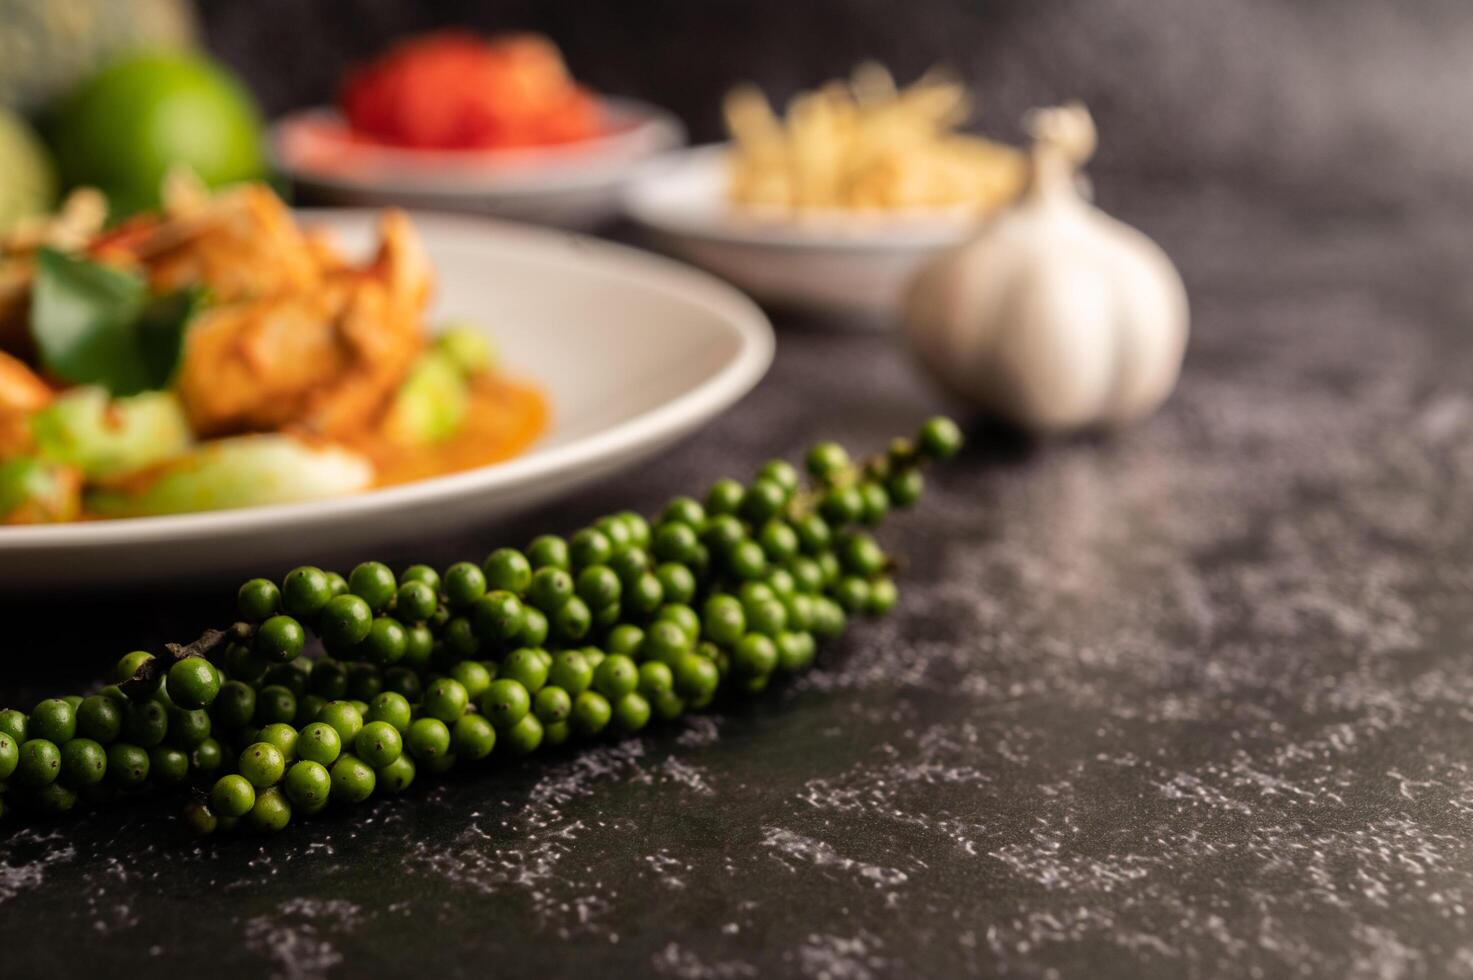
(1191, 701)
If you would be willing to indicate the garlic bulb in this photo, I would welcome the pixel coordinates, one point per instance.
(1056, 316)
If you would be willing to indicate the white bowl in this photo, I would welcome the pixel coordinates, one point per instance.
(572, 185)
(834, 262)
(634, 351)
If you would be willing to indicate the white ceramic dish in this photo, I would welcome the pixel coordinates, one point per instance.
(573, 185)
(634, 352)
(833, 262)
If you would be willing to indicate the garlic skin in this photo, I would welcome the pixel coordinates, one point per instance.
(1056, 316)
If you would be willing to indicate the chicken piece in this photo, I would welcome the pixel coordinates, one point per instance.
(242, 244)
(22, 394)
(322, 361)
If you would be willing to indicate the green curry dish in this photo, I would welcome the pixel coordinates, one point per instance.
(242, 471)
(105, 437)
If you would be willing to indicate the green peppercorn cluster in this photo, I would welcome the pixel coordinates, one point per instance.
(624, 623)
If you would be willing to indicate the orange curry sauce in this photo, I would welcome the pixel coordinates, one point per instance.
(505, 417)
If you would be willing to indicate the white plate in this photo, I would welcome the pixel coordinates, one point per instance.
(835, 262)
(573, 185)
(634, 352)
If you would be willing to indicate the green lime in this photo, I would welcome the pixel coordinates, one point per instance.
(124, 128)
(27, 178)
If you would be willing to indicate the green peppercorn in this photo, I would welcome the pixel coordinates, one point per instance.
(828, 617)
(682, 616)
(747, 560)
(193, 682)
(497, 617)
(374, 583)
(131, 664)
(464, 584)
(667, 705)
(460, 638)
(279, 640)
(473, 738)
(552, 704)
(53, 719)
(188, 728)
(684, 510)
(271, 813)
(754, 655)
(766, 616)
(378, 744)
(283, 736)
(342, 718)
(397, 775)
(591, 713)
(631, 712)
(599, 587)
(199, 819)
(724, 497)
(655, 677)
(263, 764)
(905, 487)
(505, 702)
(629, 565)
(664, 640)
(842, 505)
(429, 738)
(677, 581)
(625, 638)
(9, 756)
(572, 621)
(127, 765)
(168, 765)
(615, 528)
(827, 460)
(308, 786)
(795, 651)
(589, 547)
(570, 671)
(644, 596)
(235, 705)
(39, 764)
(525, 736)
(616, 676)
(319, 742)
(385, 643)
(419, 646)
(83, 763)
(423, 574)
(415, 602)
(445, 699)
(274, 703)
(882, 597)
(305, 591)
(258, 599)
(208, 756)
(939, 439)
(550, 588)
(146, 722)
(696, 676)
(14, 723)
(232, 796)
(852, 592)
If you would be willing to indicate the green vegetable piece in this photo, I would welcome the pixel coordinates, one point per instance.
(431, 404)
(466, 347)
(105, 437)
(245, 471)
(36, 491)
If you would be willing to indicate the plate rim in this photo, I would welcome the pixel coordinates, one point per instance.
(724, 388)
(524, 172)
(829, 231)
